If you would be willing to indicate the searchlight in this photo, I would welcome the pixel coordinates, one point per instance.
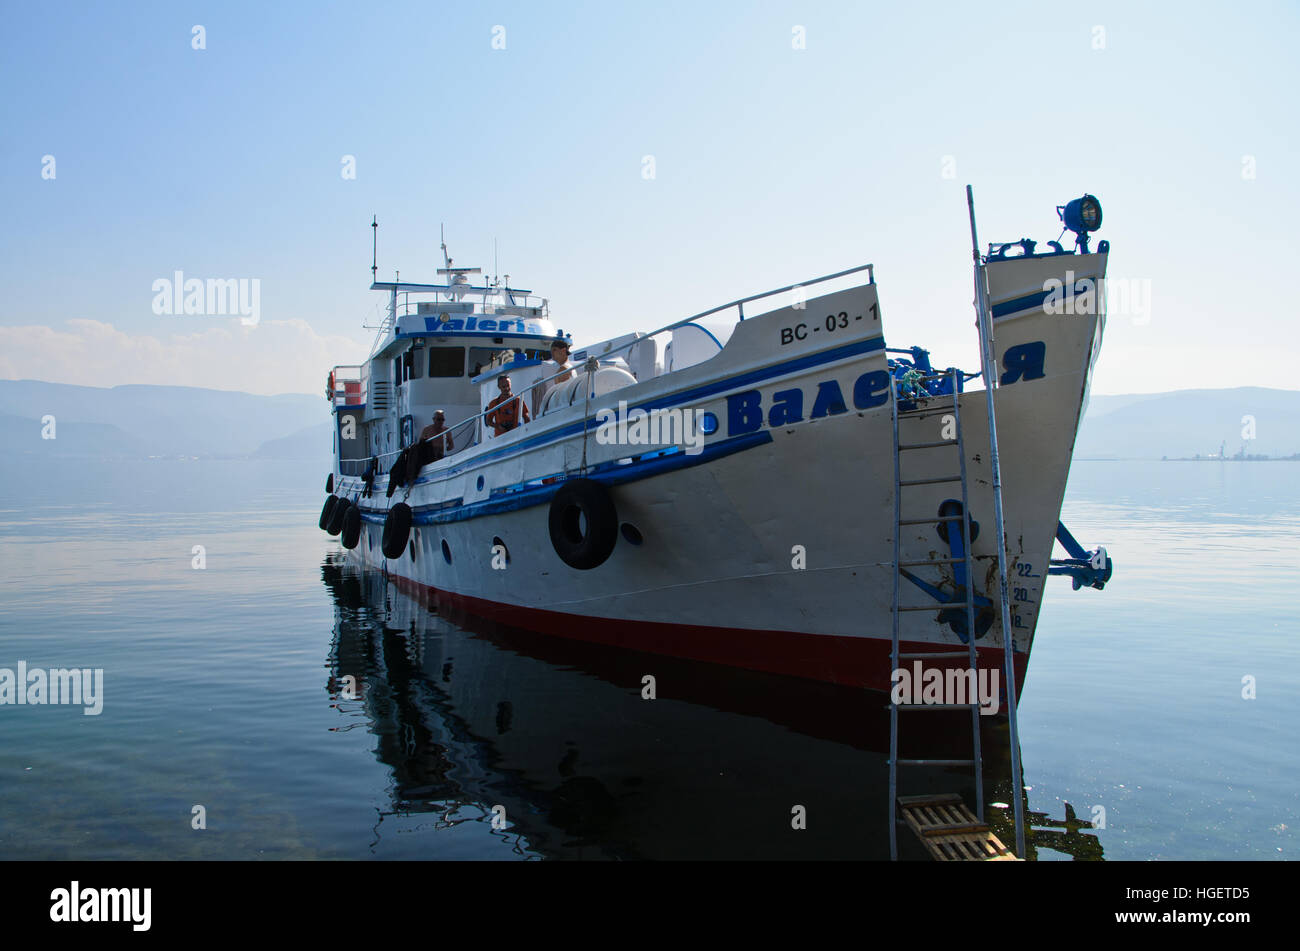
(1081, 216)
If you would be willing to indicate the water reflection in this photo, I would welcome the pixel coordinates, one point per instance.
(477, 721)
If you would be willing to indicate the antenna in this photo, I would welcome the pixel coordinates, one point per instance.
(443, 233)
(496, 270)
(374, 249)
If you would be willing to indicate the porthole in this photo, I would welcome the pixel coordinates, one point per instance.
(446, 551)
(631, 534)
(708, 424)
(480, 483)
(499, 548)
(412, 549)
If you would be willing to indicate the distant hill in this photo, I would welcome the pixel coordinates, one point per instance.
(156, 420)
(22, 436)
(314, 442)
(1185, 423)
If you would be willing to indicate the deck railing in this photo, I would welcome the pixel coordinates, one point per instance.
(407, 307)
(593, 362)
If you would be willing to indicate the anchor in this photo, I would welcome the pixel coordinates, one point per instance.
(955, 617)
(1091, 568)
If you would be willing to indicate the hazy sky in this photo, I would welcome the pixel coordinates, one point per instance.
(772, 164)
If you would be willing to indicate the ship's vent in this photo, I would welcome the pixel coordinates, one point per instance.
(379, 392)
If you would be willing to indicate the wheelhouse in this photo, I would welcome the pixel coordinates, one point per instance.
(436, 346)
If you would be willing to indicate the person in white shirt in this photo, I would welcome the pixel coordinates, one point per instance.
(560, 356)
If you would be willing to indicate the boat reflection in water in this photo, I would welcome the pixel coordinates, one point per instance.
(474, 718)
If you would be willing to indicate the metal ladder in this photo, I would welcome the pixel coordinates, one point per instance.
(965, 597)
(988, 370)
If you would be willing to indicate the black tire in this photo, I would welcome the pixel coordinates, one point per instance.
(327, 511)
(397, 529)
(336, 518)
(329, 483)
(580, 499)
(351, 533)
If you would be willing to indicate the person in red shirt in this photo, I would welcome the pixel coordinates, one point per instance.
(506, 411)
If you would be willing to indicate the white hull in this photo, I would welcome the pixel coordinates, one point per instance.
(716, 576)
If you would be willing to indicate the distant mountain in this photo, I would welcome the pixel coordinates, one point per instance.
(314, 442)
(1185, 423)
(1100, 405)
(157, 420)
(22, 436)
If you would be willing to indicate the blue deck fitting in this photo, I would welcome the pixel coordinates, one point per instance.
(1091, 568)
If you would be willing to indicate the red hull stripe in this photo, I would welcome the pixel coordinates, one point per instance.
(851, 661)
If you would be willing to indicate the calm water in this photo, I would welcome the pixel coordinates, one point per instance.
(224, 688)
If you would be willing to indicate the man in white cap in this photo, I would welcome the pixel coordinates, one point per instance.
(560, 356)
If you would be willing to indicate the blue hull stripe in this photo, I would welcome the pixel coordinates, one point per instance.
(610, 473)
(1036, 300)
(674, 399)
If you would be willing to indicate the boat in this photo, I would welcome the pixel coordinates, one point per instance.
(730, 487)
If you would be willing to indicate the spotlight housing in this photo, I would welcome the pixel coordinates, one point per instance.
(1081, 216)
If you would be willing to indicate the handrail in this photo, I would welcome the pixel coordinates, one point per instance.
(871, 268)
(593, 362)
(480, 296)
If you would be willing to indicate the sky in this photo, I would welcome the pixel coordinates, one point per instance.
(787, 140)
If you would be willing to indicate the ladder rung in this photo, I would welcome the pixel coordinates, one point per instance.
(928, 445)
(939, 606)
(935, 762)
(955, 478)
(932, 799)
(927, 521)
(937, 655)
(954, 827)
(933, 561)
(935, 706)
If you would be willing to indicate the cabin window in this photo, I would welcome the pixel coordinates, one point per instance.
(415, 364)
(446, 361)
(480, 357)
